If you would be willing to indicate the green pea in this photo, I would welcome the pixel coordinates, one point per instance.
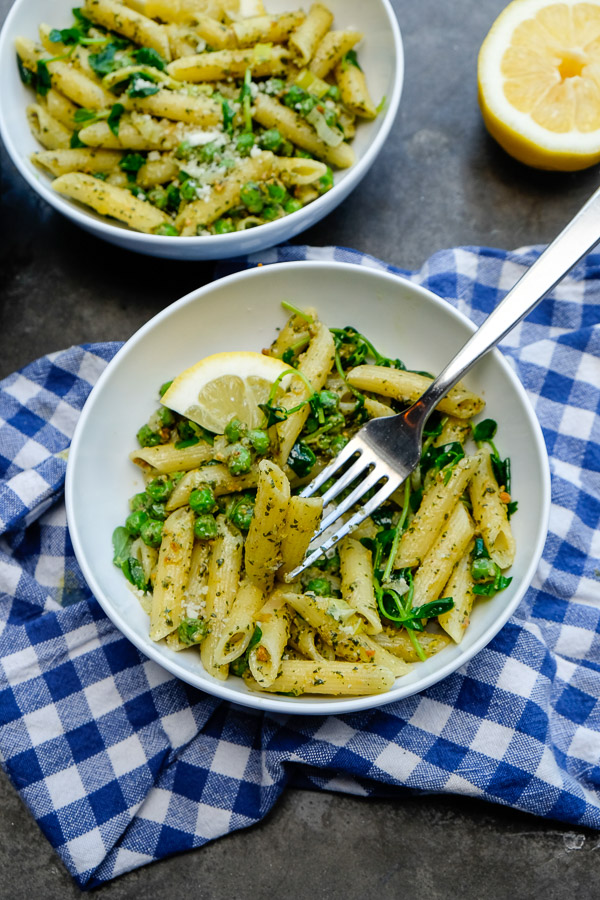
(184, 150)
(242, 512)
(325, 182)
(147, 437)
(271, 140)
(192, 631)
(189, 189)
(223, 226)
(331, 117)
(160, 489)
(166, 230)
(134, 522)
(157, 511)
(205, 528)
(292, 206)
(277, 192)
(139, 501)
(319, 586)
(209, 151)
(271, 212)
(286, 149)
(158, 197)
(252, 198)
(151, 532)
(234, 430)
(484, 570)
(244, 144)
(165, 416)
(333, 93)
(202, 500)
(240, 459)
(329, 400)
(259, 440)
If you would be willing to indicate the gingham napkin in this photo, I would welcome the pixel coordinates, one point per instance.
(122, 764)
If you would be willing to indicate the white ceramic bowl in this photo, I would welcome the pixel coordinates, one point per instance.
(381, 57)
(241, 312)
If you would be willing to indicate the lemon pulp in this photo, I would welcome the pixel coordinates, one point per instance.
(539, 83)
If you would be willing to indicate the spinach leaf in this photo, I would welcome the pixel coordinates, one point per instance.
(147, 56)
(114, 118)
(134, 572)
(142, 86)
(122, 541)
(25, 74)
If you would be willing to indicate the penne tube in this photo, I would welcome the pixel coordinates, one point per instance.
(307, 641)
(157, 171)
(336, 678)
(242, 9)
(161, 135)
(109, 200)
(179, 107)
(197, 586)
(330, 51)
(266, 29)
(453, 431)
(315, 364)
(223, 583)
(354, 91)
(265, 658)
(460, 588)
(126, 21)
(362, 648)
(270, 113)
(294, 333)
(434, 572)
(407, 387)
(434, 511)
(182, 11)
(333, 618)
(62, 161)
(262, 554)
(238, 626)
(223, 64)
(61, 108)
(300, 171)
(356, 568)
(301, 521)
(490, 513)
(65, 78)
(48, 131)
(174, 559)
(398, 643)
(216, 34)
(217, 477)
(308, 35)
(224, 195)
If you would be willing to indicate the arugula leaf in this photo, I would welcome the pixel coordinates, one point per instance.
(122, 541)
(438, 458)
(104, 62)
(350, 59)
(44, 82)
(132, 162)
(85, 115)
(485, 431)
(114, 118)
(25, 74)
(228, 117)
(147, 56)
(134, 572)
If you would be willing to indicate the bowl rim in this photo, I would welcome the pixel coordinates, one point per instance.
(138, 239)
(336, 706)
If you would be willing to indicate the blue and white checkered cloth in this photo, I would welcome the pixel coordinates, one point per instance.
(122, 764)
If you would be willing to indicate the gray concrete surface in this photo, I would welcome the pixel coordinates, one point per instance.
(440, 182)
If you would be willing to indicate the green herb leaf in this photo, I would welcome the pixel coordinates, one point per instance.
(142, 86)
(104, 62)
(121, 540)
(134, 572)
(114, 118)
(485, 431)
(192, 631)
(228, 117)
(75, 142)
(147, 56)
(44, 82)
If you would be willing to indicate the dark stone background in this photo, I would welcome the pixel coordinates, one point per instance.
(440, 182)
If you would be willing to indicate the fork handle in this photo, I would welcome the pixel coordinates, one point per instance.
(565, 251)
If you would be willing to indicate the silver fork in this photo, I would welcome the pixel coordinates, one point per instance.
(385, 451)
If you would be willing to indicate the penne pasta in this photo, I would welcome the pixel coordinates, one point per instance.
(434, 572)
(262, 553)
(335, 678)
(62, 161)
(331, 49)
(407, 387)
(174, 560)
(356, 570)
(109, 200)
(134, 25)
(223, 581)
(490, 513)
(306, 37)
(266, 657)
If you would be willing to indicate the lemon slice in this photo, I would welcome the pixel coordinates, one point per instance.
(224, 386)
(539, 82)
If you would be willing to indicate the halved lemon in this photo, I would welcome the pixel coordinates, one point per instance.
(224, 386)
(539, 82)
